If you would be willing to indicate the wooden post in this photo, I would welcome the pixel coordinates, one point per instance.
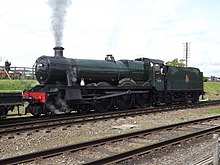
(7, 73)
(33, 72)
(215, 150)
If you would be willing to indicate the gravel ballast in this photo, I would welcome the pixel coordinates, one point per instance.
(29, 142)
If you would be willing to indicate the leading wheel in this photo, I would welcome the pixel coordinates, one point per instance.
(35, 109)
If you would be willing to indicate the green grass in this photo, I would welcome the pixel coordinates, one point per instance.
(212, 87)
(15, 85)
(186, 117)
(212, 90)
(212, 111)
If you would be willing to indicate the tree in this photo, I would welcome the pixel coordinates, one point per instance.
(176, 62)
(205, 79)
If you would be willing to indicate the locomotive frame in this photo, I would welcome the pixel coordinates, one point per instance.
(83, 85)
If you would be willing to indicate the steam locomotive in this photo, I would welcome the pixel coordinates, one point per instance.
(83, 85)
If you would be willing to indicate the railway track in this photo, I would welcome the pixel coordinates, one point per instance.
(119, 148)
(18, 126)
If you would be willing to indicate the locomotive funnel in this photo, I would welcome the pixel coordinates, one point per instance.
(58, 51)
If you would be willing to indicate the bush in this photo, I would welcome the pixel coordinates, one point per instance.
(205, 79)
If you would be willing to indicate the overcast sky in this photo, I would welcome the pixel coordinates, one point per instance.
(125, 28)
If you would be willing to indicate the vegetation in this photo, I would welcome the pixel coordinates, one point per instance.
(10, 85)
(212, 111)
(16, 77)
(205, 79)
(212, 90)
(180, 63)
(176, 62)
(213, 87)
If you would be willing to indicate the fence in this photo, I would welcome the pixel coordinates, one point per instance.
(17, 72)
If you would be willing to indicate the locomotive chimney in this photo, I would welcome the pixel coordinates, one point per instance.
(58, 51)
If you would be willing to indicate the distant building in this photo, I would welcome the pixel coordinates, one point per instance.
(213, 78)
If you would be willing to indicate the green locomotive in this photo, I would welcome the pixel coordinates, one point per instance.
(84, 84)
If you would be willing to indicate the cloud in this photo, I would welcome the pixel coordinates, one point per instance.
(125, 28)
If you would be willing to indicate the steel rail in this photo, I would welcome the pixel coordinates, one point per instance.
(67, 120)
(16, 121)
(147, 149)
(29, 118)
(80, 146)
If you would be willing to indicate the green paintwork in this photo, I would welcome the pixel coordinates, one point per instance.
(140, 71)
(98, 70)
(136, 69)
(180, 78)
(111, 71)
(158, 77)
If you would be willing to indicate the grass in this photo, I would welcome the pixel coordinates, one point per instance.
(16, 85)
(186, 117)
(212, 87)
(203, 113)
(212, 111)
(212, 90)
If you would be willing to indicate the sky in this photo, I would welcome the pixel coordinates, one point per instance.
(127, 29)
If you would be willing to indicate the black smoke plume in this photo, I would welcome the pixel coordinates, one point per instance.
(58, 18)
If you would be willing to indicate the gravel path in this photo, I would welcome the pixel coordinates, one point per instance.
(29, 142)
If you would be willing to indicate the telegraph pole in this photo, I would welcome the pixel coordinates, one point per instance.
(186, 52)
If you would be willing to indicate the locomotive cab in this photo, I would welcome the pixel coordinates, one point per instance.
(153, 69)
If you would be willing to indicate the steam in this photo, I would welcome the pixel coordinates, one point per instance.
(58, 18)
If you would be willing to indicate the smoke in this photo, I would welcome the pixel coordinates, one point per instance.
(58, 18)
